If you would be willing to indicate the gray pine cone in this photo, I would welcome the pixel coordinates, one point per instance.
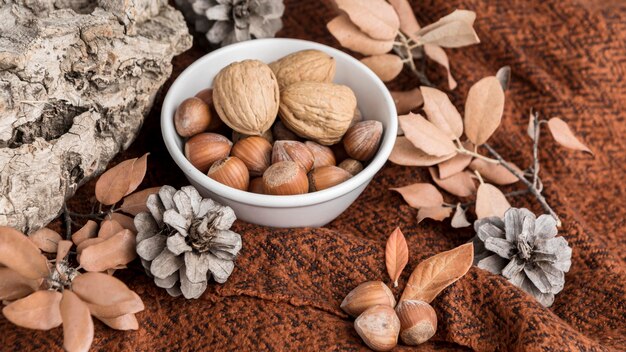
(524, 250)
(231, 21)
(185, 239)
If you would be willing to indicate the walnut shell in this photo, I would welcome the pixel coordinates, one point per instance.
(321, 112)
(245, 96)
(305, 65)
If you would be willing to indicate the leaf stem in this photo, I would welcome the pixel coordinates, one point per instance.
(535, 149)
(461, 150)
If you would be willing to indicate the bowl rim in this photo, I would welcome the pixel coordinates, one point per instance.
(289, 201)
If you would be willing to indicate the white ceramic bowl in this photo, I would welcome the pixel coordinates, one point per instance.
(313, 209)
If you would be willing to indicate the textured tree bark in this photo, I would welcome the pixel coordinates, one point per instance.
(76, 79)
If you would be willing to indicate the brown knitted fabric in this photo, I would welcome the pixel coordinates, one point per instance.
(567, 61)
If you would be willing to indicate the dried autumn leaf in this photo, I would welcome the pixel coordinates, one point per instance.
(119, 308)
(17, 252)
(63, 249)
(504, 77)
(453, 166)
(434, 274)
(88, 242)
(77, 323)
(123, 322)
(438, 213)
(452, 31)
(420, 195)
(564, 136)
(490, 202)
(483, 109)
(425, 135)
(14, 286)
(407, 100)
(459, 219)
(46, 239)
(385, 66)
(89, 230)
(405, 153)
(125, 221)
(456, 16)
(101, 289)
(438, 55)
(114, 183)
(108, 228)
(396, 255)
(495, 173)
(460, 184)
(441, 112)
(376, 18)
(117, 250)
(531, 126)
(38, 311)
(136, 203)
(138, 173)
(408, 22)
(351, 37)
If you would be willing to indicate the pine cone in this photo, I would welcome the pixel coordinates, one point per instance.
(524, 249)
(185, 239)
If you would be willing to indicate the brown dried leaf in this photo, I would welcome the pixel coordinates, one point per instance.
(436, 213)
(441, 112)
(89, 230)
(459, 219)
(351, 37)
(438, 55)
(101, 289)
(434, 274)
(385, 66)
(531, 126)
(17, 252)
(112, 185)
(405, 153)
(89, 242)
(453, 34)
(46, 239)
(396, 255)
(123, 322)
(425, 135)
(108, 228)
(408, 22)
(454, 166)
(460, 184)
(407, 100)
(376, 18)
(495, 173)
(77, 323)
(483, 109)
(125, 221)
(136, 203)
(420, 195)
(129, 306)
(490, 202)
(564, 136)
(138, 173)
(14, 286)
(117, 250)
(62, 249)
(38, 311)
(457, 15)
(504, 77)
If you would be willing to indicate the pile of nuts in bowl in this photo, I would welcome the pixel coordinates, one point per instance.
(292, 130)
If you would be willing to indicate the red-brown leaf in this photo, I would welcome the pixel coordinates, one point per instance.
(438, 55)
(483, 109)
(45, 239)
(14, 286)
(495, 173)
(460, 184)
(436, 273)
(407, 100)
(77, 323)
(17, 252)
(112, 185)
(420, 195)
(108, 228)
(129, 306)
(405, 153)
(117, 250)
(454, 166)
(89, 230)
(408, 22)
(441, 112)
(564, 136)
(425, 135)
(123, 322)
(125, 221)
(376, 18)
(396, 255)
(138, 173)
(490, 201)
(62, 249)
(38, 311)
(437, 213)
(136, 203)
(385, 66)
(101, 289)
(88, 242)
(351, 37)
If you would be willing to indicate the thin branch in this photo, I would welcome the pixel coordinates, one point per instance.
(68, 223)
(405, 52)
(508, 195)
(461, 150)
(535, 149)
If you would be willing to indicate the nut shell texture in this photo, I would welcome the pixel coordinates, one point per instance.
(418, 321)
(326, 177)
(305, 65)
(321, 112)
(231, 172)
(203, 149)
(362, 140)
(193, 116)
(246, 96)
(366, 295)
(255, 152)
(379, 327)
(293, 151)
(285, 178)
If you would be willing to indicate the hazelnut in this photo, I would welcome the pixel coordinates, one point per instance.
(363, 139)
(256, 186)
(379, 327)
(418, 321)
(322, 155)
(231, 172)
(192, 117)
(366, 295)
(282, 133)
(236, 136)
(352, 166)
(340, 152)
(293, 151)
(206, 95)
(255, 152)
(285, 178)
(203, 149)
(326, 177)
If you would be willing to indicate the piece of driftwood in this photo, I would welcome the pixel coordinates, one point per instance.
(76, 79)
